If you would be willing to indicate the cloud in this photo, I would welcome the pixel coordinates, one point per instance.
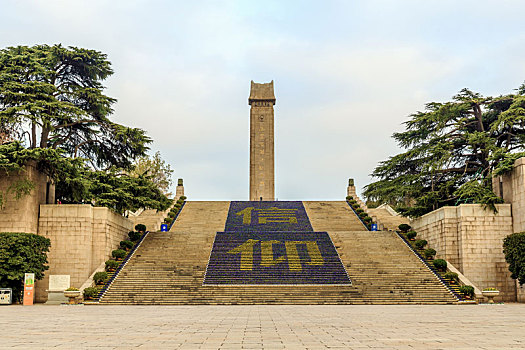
(347, 74)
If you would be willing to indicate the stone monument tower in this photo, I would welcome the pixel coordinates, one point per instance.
(261, 100)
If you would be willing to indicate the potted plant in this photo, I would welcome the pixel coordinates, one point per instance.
(420, 244)
(126, 245)
(451, 276)
(72, 294)
(134, 236)
(111, 265)
(118, 254)
(490, 294)
(411, 235)
(140, 228)
(100, 277)
(467, 291)
(440, 264)
(404, 228)
(90, 293)
(429, 253)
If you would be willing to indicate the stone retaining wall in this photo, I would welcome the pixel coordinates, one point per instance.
(471, 238)
(21, 215)
(82, 237)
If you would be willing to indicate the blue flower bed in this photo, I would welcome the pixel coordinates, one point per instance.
(267, 216)
(274, 258)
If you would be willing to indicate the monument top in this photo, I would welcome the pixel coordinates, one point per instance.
(261, 92)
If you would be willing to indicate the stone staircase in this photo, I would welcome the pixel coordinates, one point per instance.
(169, 267)
(331, 216)
(386, 220)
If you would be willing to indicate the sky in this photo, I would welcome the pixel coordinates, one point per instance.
(347, 74)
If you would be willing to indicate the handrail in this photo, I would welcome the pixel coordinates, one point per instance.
(444, 282)
(176, 215)
(121, 266)
(365, 225)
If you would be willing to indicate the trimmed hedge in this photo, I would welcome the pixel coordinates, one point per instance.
(119, 254)
(429, 253)
(420, 243)
(111, 264)
(140, 228)
(126, 244)
(467, 290)
(90, 292)
(404, 227)
(134, 236)
(101, 276)
(440, 264)
(411, 235)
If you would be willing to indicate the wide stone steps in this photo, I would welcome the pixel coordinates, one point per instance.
(169, 267)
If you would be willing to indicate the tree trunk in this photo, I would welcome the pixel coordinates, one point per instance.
(44, 136)
(33, 135)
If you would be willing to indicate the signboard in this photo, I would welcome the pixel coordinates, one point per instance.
(163, 228)
(29, 288)
(374, 227)
(268, 216)
(59, 282)
(274, 258)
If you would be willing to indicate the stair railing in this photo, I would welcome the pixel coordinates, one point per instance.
(121, 266)
(424, 261)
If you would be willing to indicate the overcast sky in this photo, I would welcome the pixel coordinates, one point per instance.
(347, 75)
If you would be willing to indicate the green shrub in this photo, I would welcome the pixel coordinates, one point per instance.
(90, 292)
(367, 219)
(404, 227)
(451, 276)
(126, 244)
(429, 253)
(514, 250)
(440, 264)
(183, 198)
(172, 214)
(490, 289)
(356, 206)
(180, 201)
(352, 201)
(21, 253)
(411, 235)
(467, 290)
(111, 265)
(168, 220)
(134, 236)
(140, 228)
(101, 276)
(71, 289)
(118, 254)
(359, 211)
(420, 243)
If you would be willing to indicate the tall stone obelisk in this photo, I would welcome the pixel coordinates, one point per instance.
(261, 100)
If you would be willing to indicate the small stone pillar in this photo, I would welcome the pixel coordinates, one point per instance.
(179, 192)
(351, 189)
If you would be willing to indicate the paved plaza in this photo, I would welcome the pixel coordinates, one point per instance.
(264, 327)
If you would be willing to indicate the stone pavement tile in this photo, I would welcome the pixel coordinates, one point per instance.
(293, 327)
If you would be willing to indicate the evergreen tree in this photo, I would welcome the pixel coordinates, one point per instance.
(452, 151)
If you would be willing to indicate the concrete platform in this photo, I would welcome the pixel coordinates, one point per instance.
(264, 327)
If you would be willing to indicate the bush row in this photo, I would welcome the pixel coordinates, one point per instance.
(439, 264)
(174, 210)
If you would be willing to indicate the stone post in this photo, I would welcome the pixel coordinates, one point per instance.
(179, 192)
